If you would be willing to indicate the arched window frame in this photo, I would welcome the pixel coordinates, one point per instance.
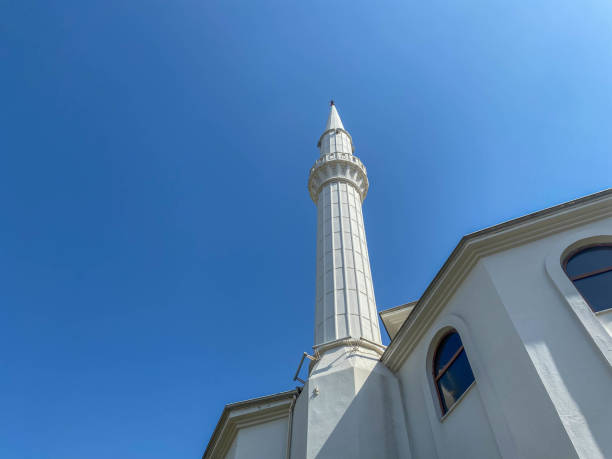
(491, 403)
(575, 251)
(572, 243)
(435, 378)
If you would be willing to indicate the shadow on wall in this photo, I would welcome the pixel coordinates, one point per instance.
(367, 428)
(575, 390)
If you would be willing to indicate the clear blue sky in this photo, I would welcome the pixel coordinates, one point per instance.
(157, 240)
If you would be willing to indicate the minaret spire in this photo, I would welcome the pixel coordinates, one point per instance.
(334, 120)
(338, 184)
(335, 139)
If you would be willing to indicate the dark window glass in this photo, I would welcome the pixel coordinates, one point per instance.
(447, 348)
(589, 260)
(597, 290)
(455, 381)
(452, 371)
(591, 272)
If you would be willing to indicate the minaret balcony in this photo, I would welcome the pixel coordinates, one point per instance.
(342, 167)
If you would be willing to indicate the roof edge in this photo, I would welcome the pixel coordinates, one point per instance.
(484, 242)
(390, 312)
(396, 308)
(226, 428)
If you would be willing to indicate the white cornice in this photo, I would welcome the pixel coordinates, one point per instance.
(486, 242)
(350, 342)
(340, 167)
(244, 414)
(354, 344)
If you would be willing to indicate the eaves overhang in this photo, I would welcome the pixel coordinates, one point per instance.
(243, 414)
(394, 317)
(480, 244)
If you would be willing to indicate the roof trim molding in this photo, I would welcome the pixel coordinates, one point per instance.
(474, 246)
(238, 415)
(351, 342)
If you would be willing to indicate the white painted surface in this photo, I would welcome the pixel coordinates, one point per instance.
(261, 441)
(465, 432)
(231, 454)
(345, 304)
(350, 409)
(596, 325)
(299, 438)
(335, 139)
(508, 402)
(394, 318)
(605, 317)
(243, 424)
(564, 347)
(542, 378)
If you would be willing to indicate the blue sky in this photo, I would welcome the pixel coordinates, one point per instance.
(157, 238)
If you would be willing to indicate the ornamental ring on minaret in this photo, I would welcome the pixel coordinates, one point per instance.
(337, 167)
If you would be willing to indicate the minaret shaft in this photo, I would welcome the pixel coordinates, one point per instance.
(345, 303)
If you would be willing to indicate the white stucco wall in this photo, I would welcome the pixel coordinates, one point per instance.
(542, 370)
(566, 342)
(465, 432)
(507, 406)
(350, 409)
(261, 441)
(299, 440)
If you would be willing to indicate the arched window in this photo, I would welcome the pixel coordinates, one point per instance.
(591, 272)
(451, 371)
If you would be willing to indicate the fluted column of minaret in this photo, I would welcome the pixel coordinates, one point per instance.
(345, 303)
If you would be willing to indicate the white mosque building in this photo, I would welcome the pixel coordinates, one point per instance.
(508, 353)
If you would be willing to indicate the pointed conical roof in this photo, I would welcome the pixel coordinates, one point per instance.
(334, 121)
(335, 139)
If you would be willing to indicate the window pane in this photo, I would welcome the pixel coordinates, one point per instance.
(589, 260)
(446, 350)
(455, 381)
(597, 290)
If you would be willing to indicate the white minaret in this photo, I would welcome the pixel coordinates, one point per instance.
(338, 184)
(347, 408)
